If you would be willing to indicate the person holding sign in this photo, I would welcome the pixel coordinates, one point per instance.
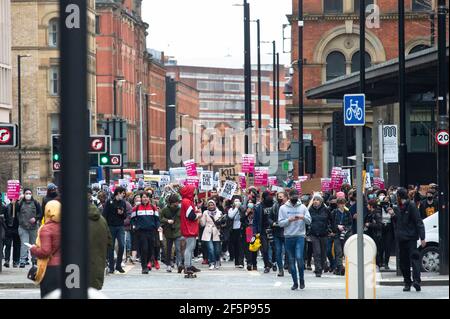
(293, 217)
(211, 234)
(189, 216)
(12, 234)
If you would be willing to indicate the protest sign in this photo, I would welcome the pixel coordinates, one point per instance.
(206, 180)
(13, 189)
(298, 186)
(311, 186)
(378, 182)
(326, 184)
(191, 168)
(192, 181)
(273, 181)
(242, 181)
(228, 190)
(164, 180)
(248, 163)
(261, 176)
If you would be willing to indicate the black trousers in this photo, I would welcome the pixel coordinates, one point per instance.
(12, 240)
(409, 256)
(319, 245)
(236, 245)
(51, 280)
(387, 237)
(146, 244)
(265, 250)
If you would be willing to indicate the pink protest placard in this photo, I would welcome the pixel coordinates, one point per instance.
(192, 181)
(303, 178)
(337, 178)
(13, 189)
(378, 182)
(242, 181)
(191, 168)
(273, 181)
(326, 184)
(248, 163)
(298, 186)
(261, 176)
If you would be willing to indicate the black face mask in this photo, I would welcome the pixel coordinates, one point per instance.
(294, 200)
(53, 194)
(280, 200)
(430, 198)
(268, 201)
(333, 206)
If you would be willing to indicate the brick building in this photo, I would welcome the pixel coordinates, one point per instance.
(35, 32)
(122, 61)
(331, 50)
(5, 61)
(222, 101)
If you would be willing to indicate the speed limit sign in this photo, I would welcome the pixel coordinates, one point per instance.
(442, 138)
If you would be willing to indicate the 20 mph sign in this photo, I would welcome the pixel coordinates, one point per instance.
(442, 138)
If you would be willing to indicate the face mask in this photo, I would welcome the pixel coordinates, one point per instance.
(27, 197)
(294, 200)
(53, 194)
(371, 196)
(333, 205)
(138, 203)
(237, 203)
(250, 205)
(430, 198)
(381, 197)
(280, 201)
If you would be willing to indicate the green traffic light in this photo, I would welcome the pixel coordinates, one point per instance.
(56, 157)
(104, 159)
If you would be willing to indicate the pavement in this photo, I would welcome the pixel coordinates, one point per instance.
(225, 283)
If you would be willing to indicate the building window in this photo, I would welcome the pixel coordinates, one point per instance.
(355, 61)
(356, 4)
(333, 6)
(335, 65)
(54, 81)
(53, 29)
(97, 24)
(54, 123)
(421, 5)
(418, 48)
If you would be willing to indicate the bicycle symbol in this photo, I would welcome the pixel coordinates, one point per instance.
(354, 111)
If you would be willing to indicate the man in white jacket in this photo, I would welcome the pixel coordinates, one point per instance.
(293, 217)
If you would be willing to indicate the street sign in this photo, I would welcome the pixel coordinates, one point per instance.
(442, 138)
(390, 143)
(109, 160)
(354, 109)
(8, 135)
(116, 159)
(97, 144)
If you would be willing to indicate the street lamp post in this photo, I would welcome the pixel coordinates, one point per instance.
(301, 166)
(247, 77)
(258, 35)
(19, 109)
(278, 100)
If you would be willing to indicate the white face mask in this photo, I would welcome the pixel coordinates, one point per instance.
(381, 197)
(237, 203)
(28, 197)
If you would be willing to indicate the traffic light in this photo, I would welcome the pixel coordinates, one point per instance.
(310, 159)
(109, 160)
(56, 152)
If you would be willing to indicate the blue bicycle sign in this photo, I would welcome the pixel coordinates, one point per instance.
(354, 110)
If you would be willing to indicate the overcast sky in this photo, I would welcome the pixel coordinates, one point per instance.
(210, 32)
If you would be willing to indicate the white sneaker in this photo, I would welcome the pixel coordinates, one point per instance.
(217, 266)
(169, 269)
(211, 267)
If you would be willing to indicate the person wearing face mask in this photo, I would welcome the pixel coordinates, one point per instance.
(247, 221)
(341, 227)
(387, 229)
(115, 214)
(211, 234)
(170, 222)
(293, 217)
(331, 266)
(29, 214)
(373, 226)
(278, 232)
(52, 193)
(320, 228)
(236, 237)
(409, 228)
(428, 206)
(262, 227)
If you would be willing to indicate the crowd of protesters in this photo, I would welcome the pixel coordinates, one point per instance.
(297, 232)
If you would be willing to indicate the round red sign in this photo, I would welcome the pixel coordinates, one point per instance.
(5, 136)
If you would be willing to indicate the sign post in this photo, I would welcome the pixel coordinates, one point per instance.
(354, 115)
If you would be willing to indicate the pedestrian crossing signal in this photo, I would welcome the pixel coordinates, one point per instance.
(56, 152)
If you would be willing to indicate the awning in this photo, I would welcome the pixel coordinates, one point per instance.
(382, 80)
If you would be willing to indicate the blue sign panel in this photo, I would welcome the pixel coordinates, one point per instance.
(354, 110)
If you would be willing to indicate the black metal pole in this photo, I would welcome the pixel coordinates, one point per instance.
(274, 84)
(107, 169)
(115, 98)
(247, 75)
(75, 159)
(278, 100)
(442, 155)
(121, 146)
(259, 150)
(147, 131)
(19, 108)
(301, 161)
(401, 88)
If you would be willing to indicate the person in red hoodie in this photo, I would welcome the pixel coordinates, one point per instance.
(189, 216)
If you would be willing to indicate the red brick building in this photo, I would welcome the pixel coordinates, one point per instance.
(330, 49)
(124, 62)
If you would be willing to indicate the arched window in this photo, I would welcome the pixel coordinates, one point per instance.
(53, 33)
(355, 61)
(335, 65)
(421, 5)
(418, 48)
(333, 6)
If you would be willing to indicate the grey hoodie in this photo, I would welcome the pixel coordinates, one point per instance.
(293, 228)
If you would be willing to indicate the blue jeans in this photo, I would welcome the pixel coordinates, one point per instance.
(331, 259)
(295, 247)
(117, 233)
(214, 250)
(279, 250)
(128, 240)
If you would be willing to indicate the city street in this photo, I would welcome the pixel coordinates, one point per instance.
(229, 283)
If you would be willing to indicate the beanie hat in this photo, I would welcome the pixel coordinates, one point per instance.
(318, 196)
(340, 195)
